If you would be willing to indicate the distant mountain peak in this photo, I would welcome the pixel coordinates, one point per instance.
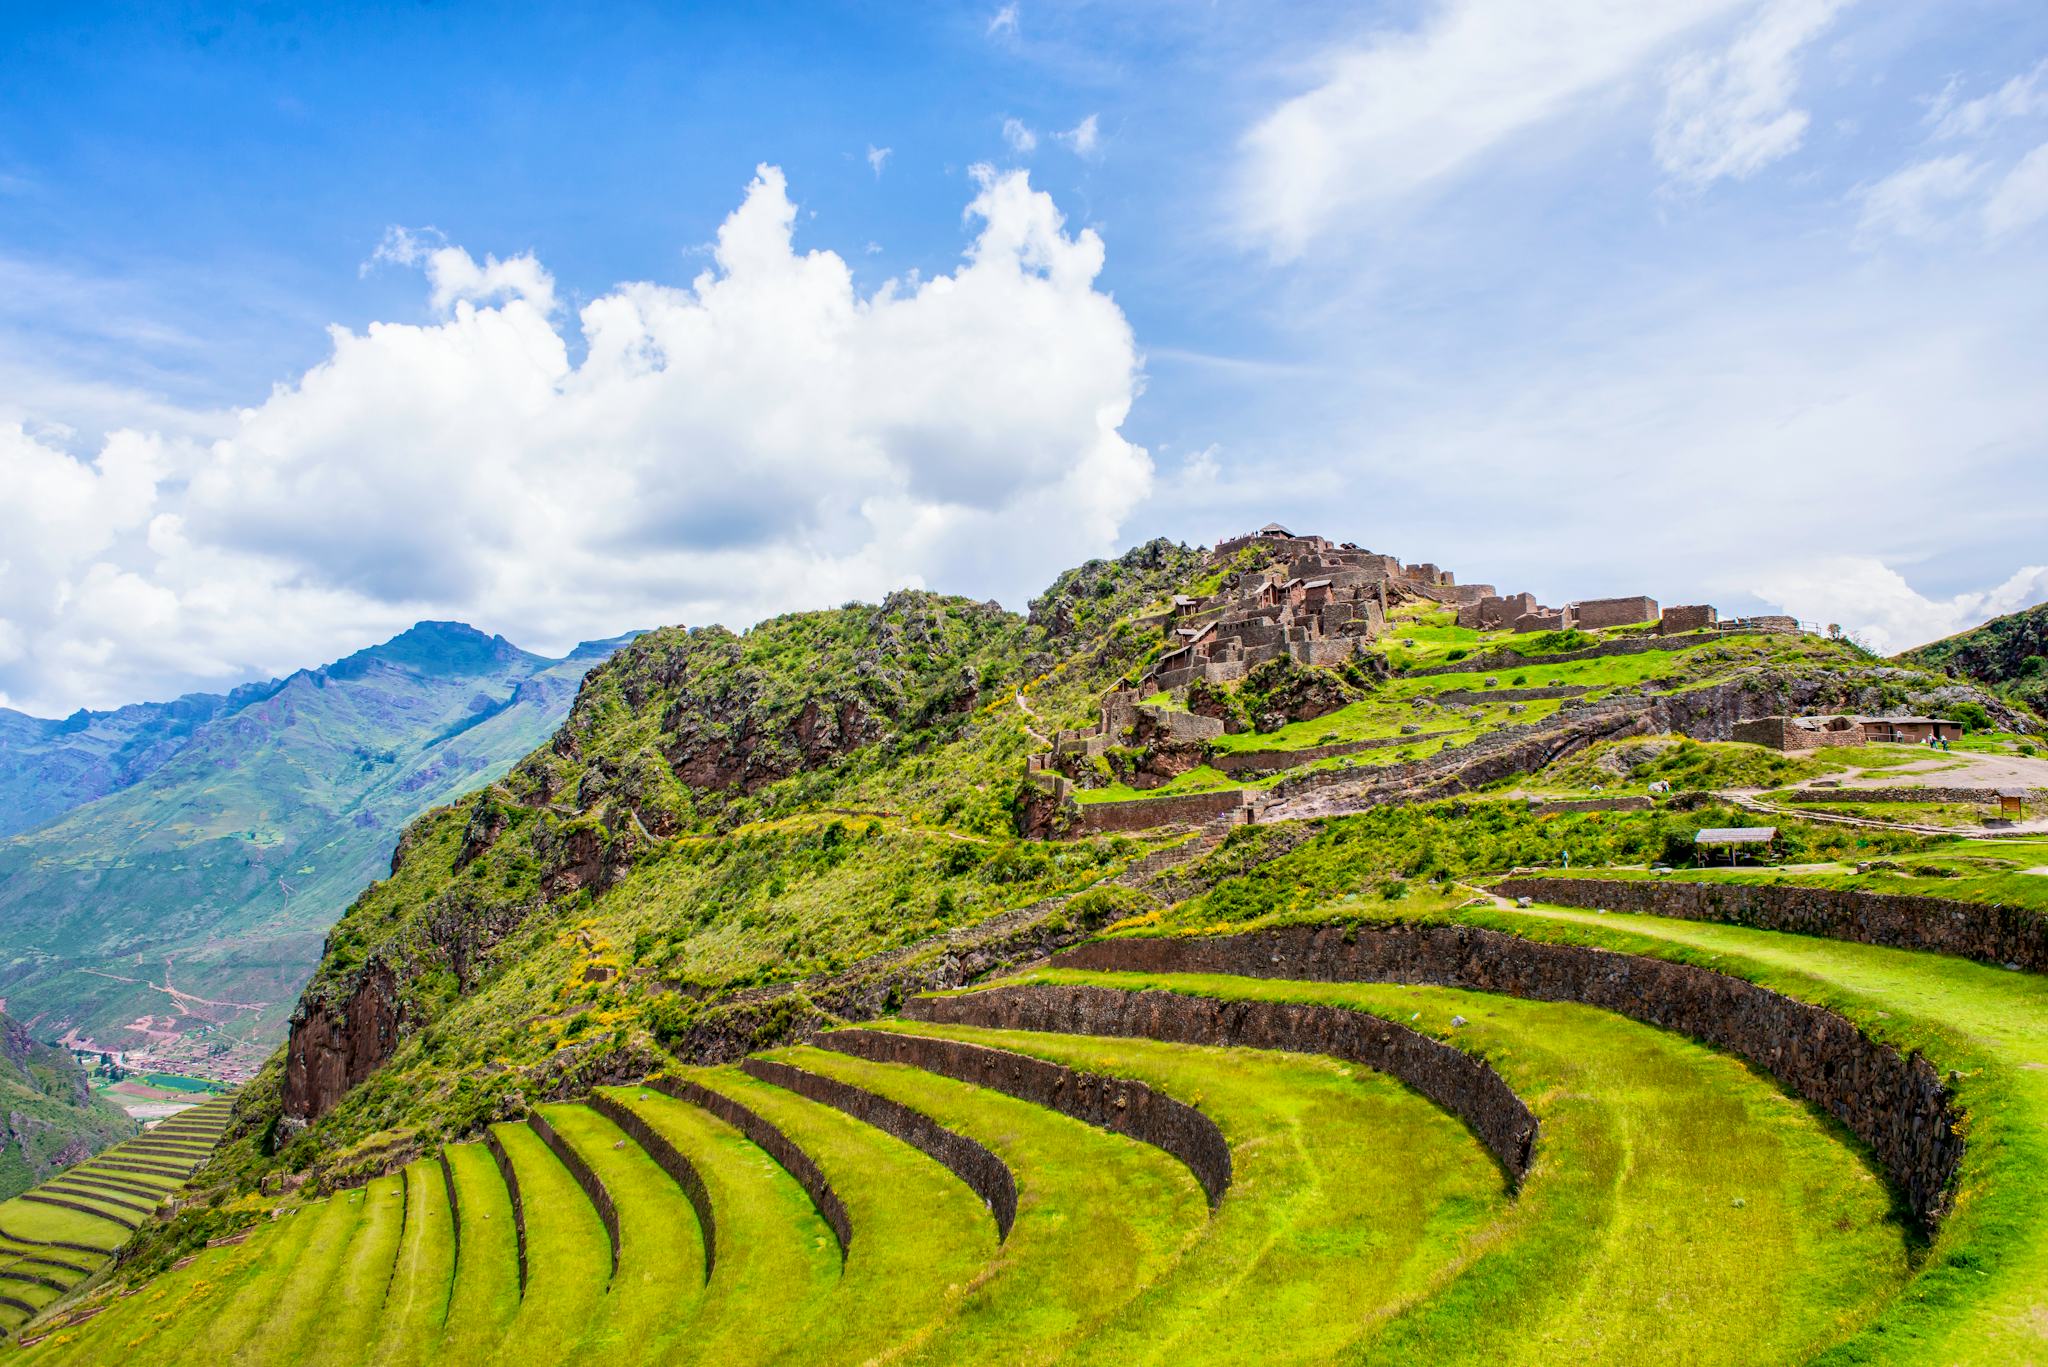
(444, 649)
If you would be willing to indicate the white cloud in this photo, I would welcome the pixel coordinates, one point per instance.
(2020, 97)
(1003, 23)
(2021, 199)
(766, 437)
(1084, 139)
(1405, 111)
(1730, 113)
(878, 157)
(1020, 137)
(1875, 603)
(1919, 200)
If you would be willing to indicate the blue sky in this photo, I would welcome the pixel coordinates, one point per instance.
(312, 325)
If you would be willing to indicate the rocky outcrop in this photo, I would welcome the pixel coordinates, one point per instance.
(1982, 931)
(336, 1043)
(1895, 1103)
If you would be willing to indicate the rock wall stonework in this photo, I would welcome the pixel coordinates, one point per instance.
(1971, 930)
(335, 1045)
(775, 1144)
(510, 1176)
(1465, 1086)
(1096, 818)
(1895, 1103)
(670, 1160)
(1976, 795)
(1121, 1105)
(593, 1186)
(986, 1175)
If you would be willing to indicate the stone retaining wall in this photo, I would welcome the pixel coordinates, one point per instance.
(152, 1169)
(1235, 762)
(73, 1245)
(593, 1186)
(1546, 806)
(1893, 1102)
(454, 1208)
(1982, 931)
(670, 1160)
(1972, 795)
(986, 1175)
(1502, 657)
(775, 1144)
(1466, 1086)
(1121, 1105)
(1467, 697)
(1139, 814)
(511, 1180)
(80, 1207)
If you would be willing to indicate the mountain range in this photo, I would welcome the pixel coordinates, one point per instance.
(169, 870)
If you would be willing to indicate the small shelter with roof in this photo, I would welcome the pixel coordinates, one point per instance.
(1736, 840)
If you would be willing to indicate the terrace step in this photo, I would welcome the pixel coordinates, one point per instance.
(358, 1290)
(774, 1259)
(485, 1288)
(567, 1253)
(280, 1331)
(659, 1278)
(918, 1233)
(1084, 1197)
(414, 1303)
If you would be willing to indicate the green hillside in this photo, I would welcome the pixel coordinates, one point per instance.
(2009, 654)
(53, 1116)
(178, 915)
(795, 1003)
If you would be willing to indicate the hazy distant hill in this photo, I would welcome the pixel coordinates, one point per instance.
(209, 843)
(51, 1117)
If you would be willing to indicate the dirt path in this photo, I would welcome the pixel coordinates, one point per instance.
(1025, 707)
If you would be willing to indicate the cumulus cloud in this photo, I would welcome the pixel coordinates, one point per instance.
(1730, 113)
(1020, 137)
(762, 438)
(1876, 604)
(2021, 199)
(1405, 111)
(1084, 139)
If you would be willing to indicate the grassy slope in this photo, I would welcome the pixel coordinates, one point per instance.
(568, 1259)
(416, 1298)
(777, 1260)
(1349, 1195)
(484, 1295)
(1099, 1216)
(1628, 1235)
(349, 1320)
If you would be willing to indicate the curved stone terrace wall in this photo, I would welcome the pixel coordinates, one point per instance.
(1120, 1105)
(72, 1244)
(775, 1144)
(593, 1186)
(1895, 1103)
(511, 1180)
(1501, 657)
(986, 1175)
(1466, 1086)
(670, 1160)
(1984, 931)
(81, 1208)
(454, 1210)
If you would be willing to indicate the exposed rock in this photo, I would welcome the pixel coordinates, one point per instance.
(336, 1044)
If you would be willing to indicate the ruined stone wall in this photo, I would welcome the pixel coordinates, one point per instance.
(1977, 795)
(1120, 1105)
(1982, 931)
(510, 1177)
(986, 1175)
(1691, 617)
(1893, 1102)
(670, 1160)
(1265, 761)
(1466, 1086)
(775, 1144)
(1139, 814)
(1613, 612)
(1591, 804)
(1780, 733)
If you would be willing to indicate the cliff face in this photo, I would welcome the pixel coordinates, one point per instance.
(335, 1044)
(2007, 652)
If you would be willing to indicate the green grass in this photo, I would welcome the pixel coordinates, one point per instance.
(298, 1314)
(416, 1301)
(660, 1279)
(777, 1261)
(1939, 873)
(243, 1301)
(355, 1297)
(1627, 1237)
(1349, 1195)
(568, 1258)
(1982, 1292)
(1099, 1216)
(484, 1295)
(921, 1239)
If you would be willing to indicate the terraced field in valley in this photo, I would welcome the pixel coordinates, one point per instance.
(1509, 1135)
(57, 1235)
